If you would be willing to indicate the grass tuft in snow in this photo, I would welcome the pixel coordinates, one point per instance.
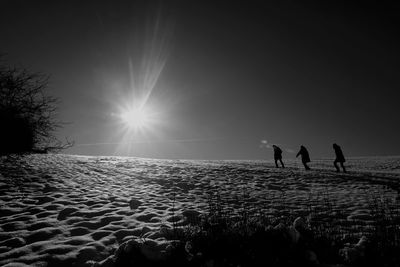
(228, 234)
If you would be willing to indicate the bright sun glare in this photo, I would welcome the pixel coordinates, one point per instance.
(136, 118)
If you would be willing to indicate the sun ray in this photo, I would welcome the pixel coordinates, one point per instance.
(139, 112)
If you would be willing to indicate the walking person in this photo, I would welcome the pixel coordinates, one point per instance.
(305, 156)
(339, 158)
(278, 156)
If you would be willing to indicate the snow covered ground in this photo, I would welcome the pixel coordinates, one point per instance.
(65, 210)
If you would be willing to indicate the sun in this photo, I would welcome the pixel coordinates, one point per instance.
(135, 118)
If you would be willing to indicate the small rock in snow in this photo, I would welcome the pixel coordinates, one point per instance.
(134, 204)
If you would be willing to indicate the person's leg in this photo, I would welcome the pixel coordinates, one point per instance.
(283, 165)
(341, 164)
(308, 168)
(276, 163)
(336, 166)
(305, 165)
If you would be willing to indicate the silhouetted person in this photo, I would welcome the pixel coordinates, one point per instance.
(339, 158)
(278, 156)
(305, 157)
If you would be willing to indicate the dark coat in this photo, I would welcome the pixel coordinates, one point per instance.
(339, 153)
(277, 153)
(305, 157)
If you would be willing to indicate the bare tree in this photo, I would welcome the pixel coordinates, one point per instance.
(27, 115)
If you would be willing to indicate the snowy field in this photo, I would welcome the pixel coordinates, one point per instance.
(65, 210)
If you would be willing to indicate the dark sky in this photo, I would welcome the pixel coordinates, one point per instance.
(222, 79)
